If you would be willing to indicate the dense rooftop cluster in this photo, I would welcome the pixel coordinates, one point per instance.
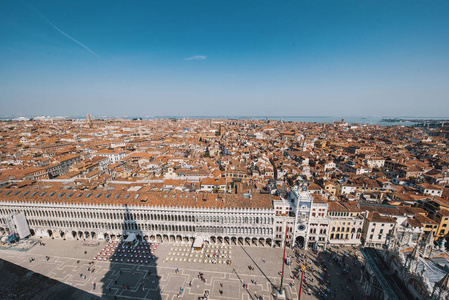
(152, 161)
(398, 163)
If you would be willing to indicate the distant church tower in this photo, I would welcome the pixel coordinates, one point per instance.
(221, 130)
(89, 121)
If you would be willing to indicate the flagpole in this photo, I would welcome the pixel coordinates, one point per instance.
(303, 268)
(283, 259)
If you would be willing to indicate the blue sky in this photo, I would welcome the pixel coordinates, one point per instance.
(147, 58)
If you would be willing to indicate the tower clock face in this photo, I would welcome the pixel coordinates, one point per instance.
(301, 227)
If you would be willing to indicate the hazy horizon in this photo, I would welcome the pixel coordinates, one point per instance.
(224, 58)
(242, 117)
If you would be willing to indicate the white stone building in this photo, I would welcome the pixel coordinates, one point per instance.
(376, 229)
(284, 216)
(113, 155)
(318, 224)
(153, 216)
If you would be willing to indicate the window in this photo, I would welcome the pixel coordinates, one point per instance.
(42, 194)
(127, 196)
(444, 225)
(16, 193)
(61, 194)
(381, 231)
(69, 195)
(79, 195)
(88, 195)
(107, 196)
(98, 195)
(371, 237)
(117, 196)
(24, 194)
(8, 192)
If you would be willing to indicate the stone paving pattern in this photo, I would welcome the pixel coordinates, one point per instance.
(158, 279)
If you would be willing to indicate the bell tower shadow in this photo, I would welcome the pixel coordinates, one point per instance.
(132, 272)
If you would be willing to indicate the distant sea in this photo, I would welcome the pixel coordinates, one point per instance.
(405, 121)
(316, 119)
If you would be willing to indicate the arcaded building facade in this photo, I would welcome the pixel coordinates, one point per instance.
(152, 216)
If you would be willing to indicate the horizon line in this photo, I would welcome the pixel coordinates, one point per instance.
(220, 116)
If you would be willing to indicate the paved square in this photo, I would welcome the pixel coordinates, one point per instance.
(257, 267)
(175, 283)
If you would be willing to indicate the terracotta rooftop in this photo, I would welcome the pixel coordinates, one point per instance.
(424, 220)
(141, 198)
(414, 223)
(374, 216)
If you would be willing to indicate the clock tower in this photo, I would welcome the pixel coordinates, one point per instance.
(303, 202)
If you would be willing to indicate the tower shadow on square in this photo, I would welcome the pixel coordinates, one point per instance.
(132, 272)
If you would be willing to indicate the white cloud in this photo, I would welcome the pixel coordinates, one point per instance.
(197, 57)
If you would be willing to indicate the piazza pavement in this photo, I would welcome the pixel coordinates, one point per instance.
(176, 268)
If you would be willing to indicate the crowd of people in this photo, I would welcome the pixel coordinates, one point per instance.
(319, 266)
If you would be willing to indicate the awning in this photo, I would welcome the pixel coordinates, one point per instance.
(131, 238)
(198, 242)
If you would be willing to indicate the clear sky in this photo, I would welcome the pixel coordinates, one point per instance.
(285, 58)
